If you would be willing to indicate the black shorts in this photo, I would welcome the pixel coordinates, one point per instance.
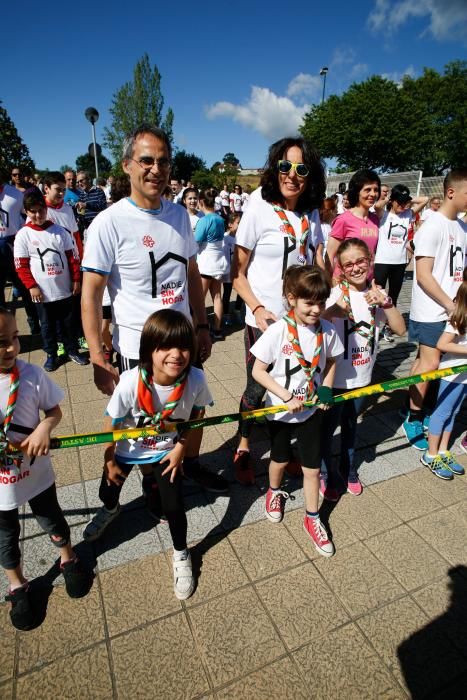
(308, 443)
(107, 313)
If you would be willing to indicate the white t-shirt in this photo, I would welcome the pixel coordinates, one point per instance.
(217, 204)
(245, 201)
(326, 232)
(392, 237)
(449, 359)
(145, 256)
(236, 201)
(262, 231)
(123, 409)
(63, 216)
(355, 366)
(194, 218)
(224, 195)
(46, 250)
(444, 240)
(427, 213)
(11, 206)
(18, 484)
(273, 347)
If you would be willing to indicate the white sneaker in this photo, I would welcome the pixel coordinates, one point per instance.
(184, 582)
(100, 521)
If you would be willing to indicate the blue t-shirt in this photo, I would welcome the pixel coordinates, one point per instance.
(210, 228)
(71, 197)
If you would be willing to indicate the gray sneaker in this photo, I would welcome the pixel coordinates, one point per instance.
(100, 521)
(184, 582)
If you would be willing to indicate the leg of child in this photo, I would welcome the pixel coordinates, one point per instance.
(70, 338)
(329, 467)
(311, 490)
(227, 291)
(450, 397)
(350, 413)
(109, 494)
(215, 289)
(10, 555)
(49, 515)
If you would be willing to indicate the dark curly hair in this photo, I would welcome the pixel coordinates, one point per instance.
(315, 191)
(358, 181)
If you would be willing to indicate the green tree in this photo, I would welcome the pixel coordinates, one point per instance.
(185, 164)
(12, 149)
(86, 163)
(231, 159)
(227, 176)
(419, 125)
(138, 101)
(64, 168)
(202, 179)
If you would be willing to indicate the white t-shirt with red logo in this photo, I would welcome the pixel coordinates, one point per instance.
(62, 214)
(11, 206)
(46, 250)
(224, 195)
(356, 364)
(124, 410)
(146, 257)
(393, 236)
(443, 240)
(236, 201)
(263, 232)
(450, 359)
(274, 347)
(20, 481)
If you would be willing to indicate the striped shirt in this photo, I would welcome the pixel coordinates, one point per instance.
(95, 202)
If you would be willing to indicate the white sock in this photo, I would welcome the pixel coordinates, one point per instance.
(181, 554)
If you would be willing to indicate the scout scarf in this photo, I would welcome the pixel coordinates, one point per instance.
(10, 407)
(145, 401)
(308, 367)
(291, 232)
(369, 333)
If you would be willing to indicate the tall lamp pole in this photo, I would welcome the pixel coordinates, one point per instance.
(92, 115)
(324, 72)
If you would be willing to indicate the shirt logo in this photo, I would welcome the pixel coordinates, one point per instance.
(148, 241)
(287, 349)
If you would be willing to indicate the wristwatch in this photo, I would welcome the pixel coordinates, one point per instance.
(388, 304)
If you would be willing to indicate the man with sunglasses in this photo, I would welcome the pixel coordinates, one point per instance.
(142, 248)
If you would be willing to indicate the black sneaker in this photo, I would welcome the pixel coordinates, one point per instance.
(51, 363)
(206, 479)
(78, 580)
(22, 614)
(78, 359)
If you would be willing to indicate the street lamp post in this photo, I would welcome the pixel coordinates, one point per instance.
(324, 72)
(92, 115)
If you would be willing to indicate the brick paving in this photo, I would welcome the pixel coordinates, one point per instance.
(385, 617)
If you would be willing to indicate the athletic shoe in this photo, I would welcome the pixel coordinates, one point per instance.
(15, 293)
(206, 479)
(388, 335)
(317, 533)
(354, 487)
(78, 579)
(51, 364)
(244, 473)
(21, 614)
(329, 494)
(437, 466)
(60, 350)
(78, 359)
(294, 469)
(463, 443)
(415, 434)
(218, 335)
(100, 521)
(450, 463)
(184, 582)
(227, 320)
(275, 504)
(83, 345)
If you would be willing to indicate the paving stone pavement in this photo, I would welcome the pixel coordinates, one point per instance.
(384, 618)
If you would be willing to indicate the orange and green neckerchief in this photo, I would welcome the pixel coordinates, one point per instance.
(308, 367)
(368, 334)
(305, 229)
(11, 404)
(146, 404)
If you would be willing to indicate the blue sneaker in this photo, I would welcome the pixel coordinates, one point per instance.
(50, 365)
(437, 466)
(415, 434)
(426, 424)
(450, 463)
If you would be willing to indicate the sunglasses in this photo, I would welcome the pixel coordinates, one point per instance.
(285, 166)
(361, 262)
(147, 163)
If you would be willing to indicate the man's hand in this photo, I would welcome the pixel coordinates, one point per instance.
(204, 344)
(106, 377)
(262, 316)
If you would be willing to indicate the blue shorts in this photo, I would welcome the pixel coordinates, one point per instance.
(426, 333)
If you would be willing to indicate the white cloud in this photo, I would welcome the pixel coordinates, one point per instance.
(358, 71)
(396, 77)
(273, 116)
(447, 18)
(304, 84)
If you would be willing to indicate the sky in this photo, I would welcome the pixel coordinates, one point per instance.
(237, 77)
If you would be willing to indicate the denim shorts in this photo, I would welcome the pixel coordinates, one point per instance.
(426, 333)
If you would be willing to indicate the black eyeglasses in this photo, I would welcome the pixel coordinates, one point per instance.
(147, 163)
(15, 174)
(285, 166)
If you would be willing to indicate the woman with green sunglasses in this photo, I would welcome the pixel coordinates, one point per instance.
(280, 228)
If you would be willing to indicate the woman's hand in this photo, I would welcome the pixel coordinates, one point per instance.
(262, 316)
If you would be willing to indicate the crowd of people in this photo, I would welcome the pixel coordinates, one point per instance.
(128, 270)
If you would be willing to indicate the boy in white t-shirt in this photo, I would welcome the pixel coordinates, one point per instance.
(438, 271)
(48, 266)
(29, 478)
(58, 211)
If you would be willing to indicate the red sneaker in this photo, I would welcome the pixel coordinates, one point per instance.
(354, 487)
(294, 469)
(275, 503)
(243, 470)
(317, 533)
